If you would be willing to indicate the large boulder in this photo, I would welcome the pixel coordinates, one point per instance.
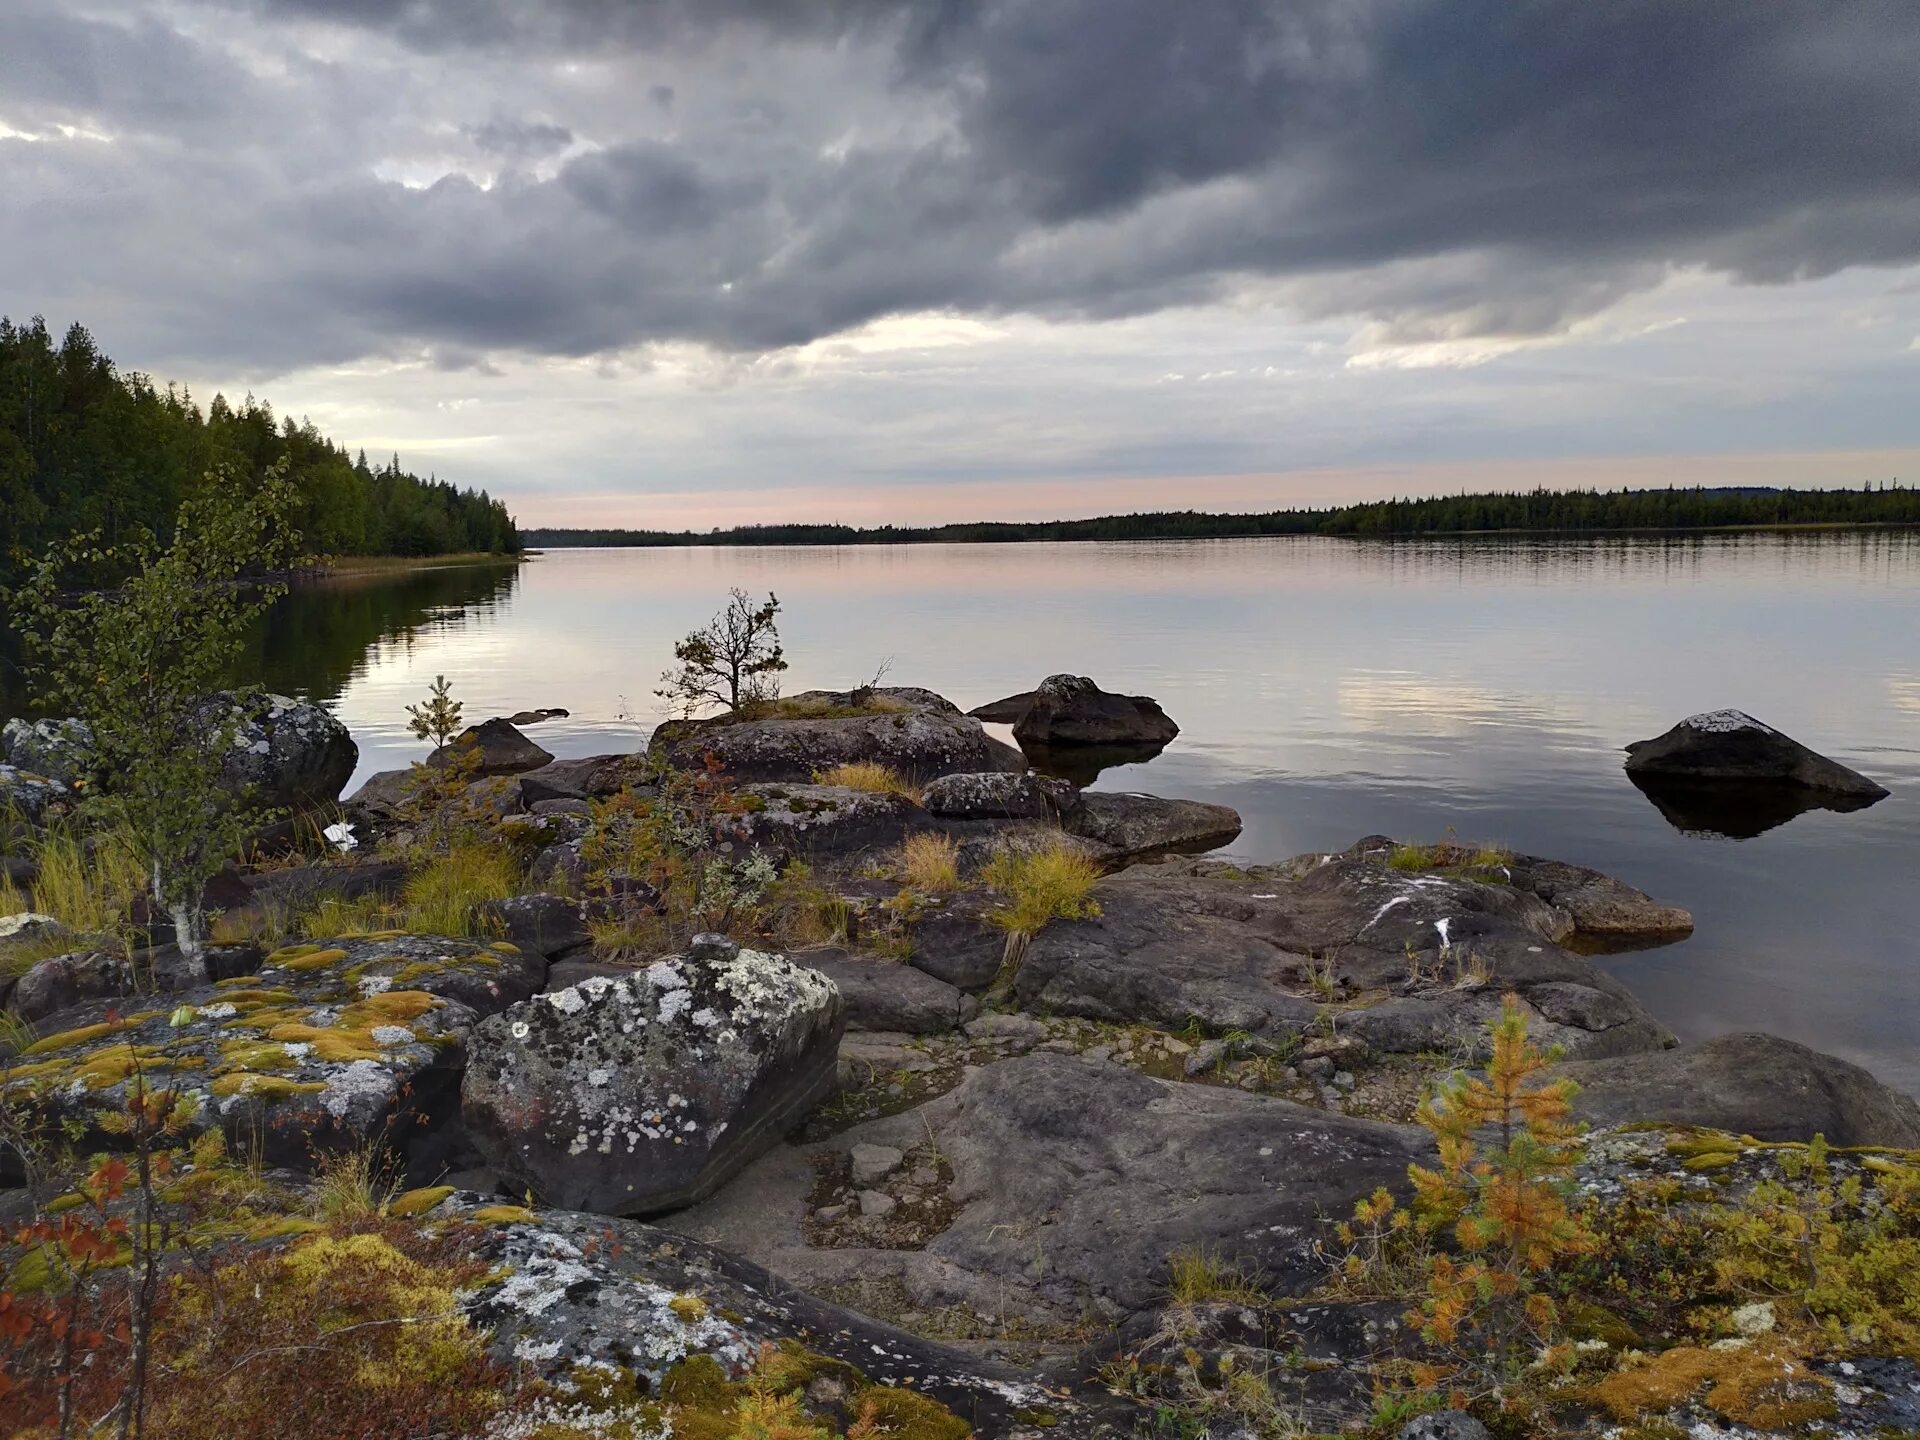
(631, 1096)
(1729, 746)
(820, 820)
(920, 744)
(1135, 827)
(1072, 710)
(883, 994)
(1750, 1084)
(495, 747)
(329, 1046)
(285, 754)
(588, 777)
(1416, 962)
(29, 798)
(997, 795)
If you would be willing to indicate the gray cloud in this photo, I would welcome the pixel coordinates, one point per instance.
(314, 180)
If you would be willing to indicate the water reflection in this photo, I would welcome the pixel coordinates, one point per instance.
(1737, 812)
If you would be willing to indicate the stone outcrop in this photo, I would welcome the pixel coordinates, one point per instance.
(883, 994)
(499, 747)
(920, 744)
(636, 1095)
(286, 754)
(53, 749)
(330, 1045)
(1750, 1084)
(1072, 710)
(817, 820)
(589, 777)
(1731, 747)
(997, 795)
(1416, 962)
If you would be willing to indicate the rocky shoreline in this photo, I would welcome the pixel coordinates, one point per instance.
(961, 1166)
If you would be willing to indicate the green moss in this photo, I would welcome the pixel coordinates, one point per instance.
(1708, 1160)
(280, 1226)
(288, 953)
(85, 1034)
(418, 1202)
(268, 1089)
(908, 1415)
(315, 959)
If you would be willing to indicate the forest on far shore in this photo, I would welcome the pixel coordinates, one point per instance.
(86, 446)
(1538, 510)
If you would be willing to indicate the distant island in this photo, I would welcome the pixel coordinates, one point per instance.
(1538, 510)
(87, 446)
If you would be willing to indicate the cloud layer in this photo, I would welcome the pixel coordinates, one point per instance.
(268, 186)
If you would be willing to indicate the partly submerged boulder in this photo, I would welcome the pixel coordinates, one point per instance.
(1750, 1084)
(329, 1046)
(495, 747)
(919, 744)
(587, 777)
(1134, 827)
(1729, 746)
(1072, 710)
(631, 1096)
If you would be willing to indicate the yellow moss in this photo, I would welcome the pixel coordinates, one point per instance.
(106, 1066)
(281, 1226)
(60, 1204)
(690, 1308)
(427, 969)
(316, 960)
(243, 999)
(503, 1215)
(333, 1044)
(1708, 1160)
(252, 1055)
(1763, 1385)
(505, 947)
(417, 1202)
(268, 1089)
(81, 1035)
(907, 1415)
(1707, 1143)
(289, 952)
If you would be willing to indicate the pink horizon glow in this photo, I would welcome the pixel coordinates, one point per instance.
(949, 502)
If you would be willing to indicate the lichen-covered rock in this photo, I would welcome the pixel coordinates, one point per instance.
(30, 797)
(920, 744)
(55, 749)
(497, 748)
(329, 1045)
(630, 1096)
(1134, 827)
(817, 820)
(1730, 746)
(1072, 710)
(995, 795)
(576, 1294)
(1750, 1084)
(285, 754)
(548, 925)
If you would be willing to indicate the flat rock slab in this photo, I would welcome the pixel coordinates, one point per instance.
(1277, 950)
(919, 744)
(639, 1094)
(1072, 1183)
(1749, 1084)
(886, 995)
(1730, 745)
(330, 1045)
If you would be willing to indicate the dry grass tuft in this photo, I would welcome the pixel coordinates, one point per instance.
(871, 776)
(930, 864)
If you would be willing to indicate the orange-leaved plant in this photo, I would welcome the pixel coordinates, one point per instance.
(1502, 1186)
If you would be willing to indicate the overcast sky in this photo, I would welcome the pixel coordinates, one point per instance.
(682, 262)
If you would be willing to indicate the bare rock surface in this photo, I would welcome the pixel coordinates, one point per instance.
(883, 994)
(806, 819)
(1402, 962)
(588, 777)
(1751, 1084)
(1133, 826)
(1732, 746)
(639, 1094)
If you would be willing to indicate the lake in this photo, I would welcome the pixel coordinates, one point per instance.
(1328, 689)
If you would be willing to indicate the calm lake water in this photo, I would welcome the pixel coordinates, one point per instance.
(1328, 689)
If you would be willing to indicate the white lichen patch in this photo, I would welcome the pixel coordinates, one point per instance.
(1725, 722)
(359, 1084)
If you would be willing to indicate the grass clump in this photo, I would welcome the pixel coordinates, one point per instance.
(441, 899)
(870, 776)
(1200, 1277)
(930, 864)
(354, 1184)
(1041, 886)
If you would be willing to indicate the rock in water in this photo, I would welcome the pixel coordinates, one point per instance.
(1750, 1084)
(1731, 746)
(640, 1095)
(502, 749)
(1134, 827)
(920, 744)
(1072, 710)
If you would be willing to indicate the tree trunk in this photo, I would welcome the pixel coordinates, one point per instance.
(189, 929)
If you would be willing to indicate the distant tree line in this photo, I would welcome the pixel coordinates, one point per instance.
(85, 446)
(1540, 510)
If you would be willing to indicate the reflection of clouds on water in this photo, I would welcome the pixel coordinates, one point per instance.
(1904, 695)
(1400, 700)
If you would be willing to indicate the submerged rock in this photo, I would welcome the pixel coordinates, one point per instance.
(329, 1046)
(1072, 710)
(1731, 746)
(631, 1096)
(1750, 1084)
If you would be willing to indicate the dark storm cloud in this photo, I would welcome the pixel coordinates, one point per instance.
(1444, 167)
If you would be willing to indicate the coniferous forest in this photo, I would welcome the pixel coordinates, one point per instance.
(85, 446)
(1538, 510)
